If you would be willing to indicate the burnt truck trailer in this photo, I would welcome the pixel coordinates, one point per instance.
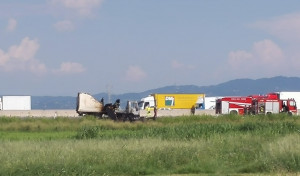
(88, 105)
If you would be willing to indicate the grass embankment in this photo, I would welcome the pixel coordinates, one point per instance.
(183, 145)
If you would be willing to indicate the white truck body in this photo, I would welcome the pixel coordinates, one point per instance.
(210, 102)
(16, 102)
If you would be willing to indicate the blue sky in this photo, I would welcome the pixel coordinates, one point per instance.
(61, 47)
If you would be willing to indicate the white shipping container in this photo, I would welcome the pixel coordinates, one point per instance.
(16, 103)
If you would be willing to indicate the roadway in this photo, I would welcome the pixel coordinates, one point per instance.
(73, 114)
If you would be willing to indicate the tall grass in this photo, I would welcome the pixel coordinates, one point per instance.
(183, 145)
(218, 155)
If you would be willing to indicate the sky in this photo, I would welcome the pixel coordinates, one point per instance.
(62, 47)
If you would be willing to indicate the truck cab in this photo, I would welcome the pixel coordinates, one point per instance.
(289, 106)
(147, 101)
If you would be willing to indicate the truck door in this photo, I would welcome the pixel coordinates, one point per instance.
(269, 107)
(276, 108)
(272, 107)
(261, 107)
(218, 106)
(291, 106)
(225, 107)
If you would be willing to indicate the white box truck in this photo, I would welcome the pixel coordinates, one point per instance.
(16, 102)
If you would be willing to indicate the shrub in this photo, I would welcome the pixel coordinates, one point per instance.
(87, 132)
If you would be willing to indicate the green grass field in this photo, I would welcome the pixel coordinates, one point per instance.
(196, 145)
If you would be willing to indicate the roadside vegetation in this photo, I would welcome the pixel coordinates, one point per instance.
(182, 145)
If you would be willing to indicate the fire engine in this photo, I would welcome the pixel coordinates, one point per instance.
(256, 104)
(271, 104)
(233, 105)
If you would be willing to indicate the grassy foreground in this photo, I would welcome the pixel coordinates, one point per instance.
(231, 145)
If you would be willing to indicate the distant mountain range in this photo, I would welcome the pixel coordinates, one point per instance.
(238, 87)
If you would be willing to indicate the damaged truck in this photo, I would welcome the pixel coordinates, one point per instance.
(88, 105)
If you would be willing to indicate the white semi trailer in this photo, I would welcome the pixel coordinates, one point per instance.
(210, 102)
(15, 103)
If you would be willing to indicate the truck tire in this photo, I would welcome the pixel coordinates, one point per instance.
(233, 112)
(131, 117)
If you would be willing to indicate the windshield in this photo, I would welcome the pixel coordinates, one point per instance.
(141, 103)
(292, 103)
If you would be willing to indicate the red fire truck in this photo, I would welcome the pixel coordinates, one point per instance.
(233, 105)
(256, 104)
(271, 104)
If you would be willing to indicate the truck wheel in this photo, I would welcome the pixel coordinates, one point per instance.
(233, 112)
(99, 116)
(131, 117)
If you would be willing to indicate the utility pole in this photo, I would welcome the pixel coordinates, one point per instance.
(109, 87)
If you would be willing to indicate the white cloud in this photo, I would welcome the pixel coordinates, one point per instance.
(269, 52)
(237, 58)
(21, 57)
(135, 74)
(12, 24)
(64, 25)
(36, 67)
(70, 67)
(286, 27)
(25, 51)
(265, 57)
(4, 57)
(82, 7)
